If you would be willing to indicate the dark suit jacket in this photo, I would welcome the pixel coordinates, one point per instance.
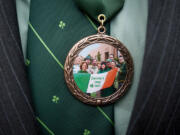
(157, 106)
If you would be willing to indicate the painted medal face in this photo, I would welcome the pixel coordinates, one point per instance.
(98, 69)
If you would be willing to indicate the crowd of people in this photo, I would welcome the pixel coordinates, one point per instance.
(95, 67)
(92, 66)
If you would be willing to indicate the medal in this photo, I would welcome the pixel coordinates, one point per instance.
(98, 69)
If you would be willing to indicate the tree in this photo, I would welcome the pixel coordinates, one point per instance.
(98, 56)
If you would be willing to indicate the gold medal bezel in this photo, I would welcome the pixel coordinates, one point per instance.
(73, 53)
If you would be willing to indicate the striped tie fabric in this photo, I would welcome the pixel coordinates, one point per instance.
(54, 27)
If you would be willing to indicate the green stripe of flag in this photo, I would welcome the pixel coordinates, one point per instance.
(82, 80)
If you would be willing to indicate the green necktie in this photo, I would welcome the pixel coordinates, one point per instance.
(95, 7)
(54, 27)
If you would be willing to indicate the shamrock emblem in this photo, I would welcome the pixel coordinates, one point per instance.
(91, 85)
(86, 132)
(62, 24)
(55, 99)
(27, 62)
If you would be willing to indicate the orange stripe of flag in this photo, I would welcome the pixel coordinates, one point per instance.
(110, 78)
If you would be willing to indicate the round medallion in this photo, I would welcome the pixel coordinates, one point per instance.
(98, 69)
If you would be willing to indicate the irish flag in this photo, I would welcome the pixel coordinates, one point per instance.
(90, 83)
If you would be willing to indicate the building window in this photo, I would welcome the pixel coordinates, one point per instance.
(106, 55)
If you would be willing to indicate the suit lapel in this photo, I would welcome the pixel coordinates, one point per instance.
(157, 98)
(16, 115)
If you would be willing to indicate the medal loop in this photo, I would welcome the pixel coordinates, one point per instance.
(101, 28)
(101, 19)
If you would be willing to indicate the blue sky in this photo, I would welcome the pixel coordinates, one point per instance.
(88, 49)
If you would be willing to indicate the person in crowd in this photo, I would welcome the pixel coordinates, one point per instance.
(108, 64)
(88, 60)
(113, 65)
(111, 57)
(103, 67)
(121, 72)
(93, 69)
(99, 65)
(121, 59)
(83, 67)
